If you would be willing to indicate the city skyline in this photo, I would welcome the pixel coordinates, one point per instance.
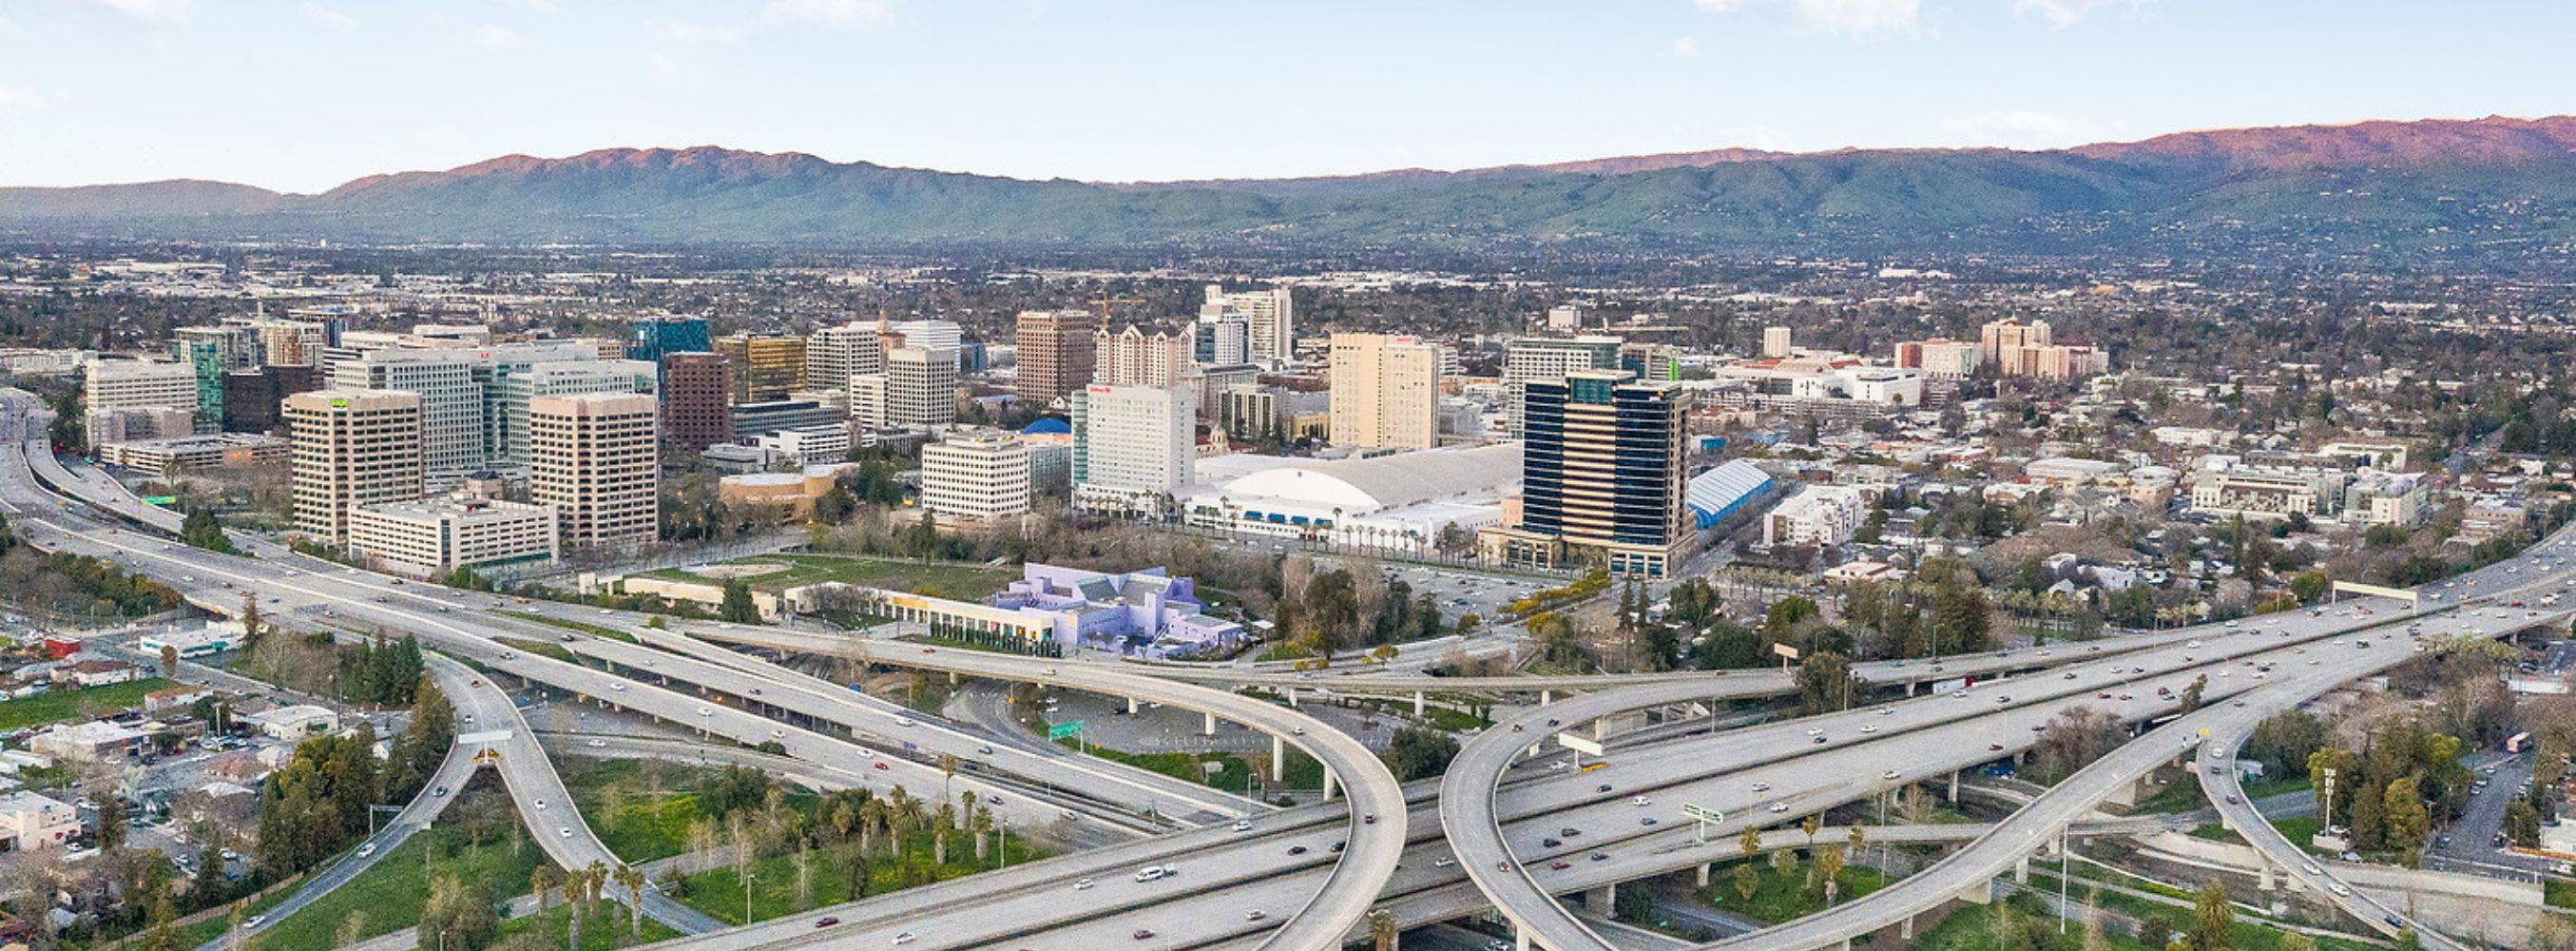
(1024, 90)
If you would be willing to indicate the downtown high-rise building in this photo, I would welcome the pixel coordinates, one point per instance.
(835, 354)
(1132, 357)
(1220, 341)
(459, 389)
(289, 343)
(653, 338)
(982, 475)
(1550, 358)
(1384, 391)
(1133, 446)
(594, 457)
(1603, 474)
(512, 394)
(764, 368)
(1056, 354)
(1775, 343)
(351, 448)
(1269, 322)
(697, 400)
(920, 389)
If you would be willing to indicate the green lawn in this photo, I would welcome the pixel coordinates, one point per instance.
(1230, 774)
(2180, 795)
(58, 706)
(2561, 893)
(1974, 928)
(608, 926)
(775, 880)
(539, 648)
(389, 897)
(641, 810)
(2244, 934)
(1776, 898)
(963, 581)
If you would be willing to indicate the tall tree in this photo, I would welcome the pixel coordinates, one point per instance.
(2211, 917)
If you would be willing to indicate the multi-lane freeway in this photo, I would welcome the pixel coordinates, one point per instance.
(1319, 869)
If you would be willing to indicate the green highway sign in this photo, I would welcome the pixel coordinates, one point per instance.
(1064, 729)
(161, 500)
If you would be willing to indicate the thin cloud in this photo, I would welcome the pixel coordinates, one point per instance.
(16, 100)
(696, 34)
(496, 37)
(330, 19)
(2064, 13)
(152, 12)
(827, 12)
(1855, 19)
(1685, 47)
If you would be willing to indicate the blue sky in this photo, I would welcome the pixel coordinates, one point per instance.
(304, 94)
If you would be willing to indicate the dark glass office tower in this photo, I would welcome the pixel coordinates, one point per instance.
(1602, 473)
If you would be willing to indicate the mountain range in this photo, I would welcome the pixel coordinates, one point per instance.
(2395, 189)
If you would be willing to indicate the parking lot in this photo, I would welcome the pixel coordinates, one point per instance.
(1458, 590)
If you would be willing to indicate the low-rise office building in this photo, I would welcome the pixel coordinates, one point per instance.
(29, 821)
(427, 538)
(976, 475)
(161, 458)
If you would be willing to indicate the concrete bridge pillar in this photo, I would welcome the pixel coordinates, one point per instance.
(953, 678)
(1520, 938)
(1417, 703)
(1132, 705)
(1905, 928)
(1703, 874)
(1601, 728)
(1546, 697)
(1328, 782)
(1278, 760)
(1210, 728)
(1292, 698)
(2263, 875)
(1954, 787)
(1602, 900)
(2021, 870)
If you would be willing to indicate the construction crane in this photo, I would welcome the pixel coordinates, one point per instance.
(1105, 300)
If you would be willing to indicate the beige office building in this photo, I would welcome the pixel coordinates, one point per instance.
(921, 389)
(1131, 357)
(1055, 354)
(428, 538)
(591, 456)
(351, 448)
(1385, 388)
(979, 475)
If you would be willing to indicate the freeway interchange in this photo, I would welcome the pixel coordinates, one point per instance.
(1509, 827)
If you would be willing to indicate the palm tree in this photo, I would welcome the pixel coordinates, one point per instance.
(572, 892)
(1750, 841)
(1382, 930)
(633, 879)
(1809, 825)
(542, 880)
(872, 815)
(940, 825)
(982, 825)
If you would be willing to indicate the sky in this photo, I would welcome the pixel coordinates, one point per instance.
(301, 95)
